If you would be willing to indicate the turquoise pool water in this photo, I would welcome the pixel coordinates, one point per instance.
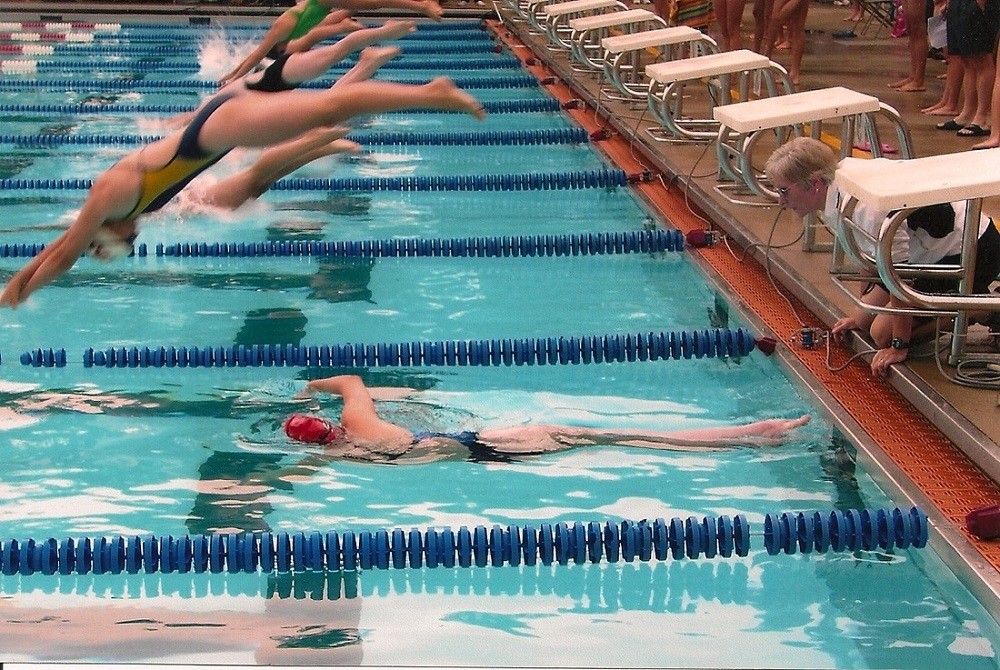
(92, 452)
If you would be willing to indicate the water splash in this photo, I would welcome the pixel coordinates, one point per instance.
(218, 53)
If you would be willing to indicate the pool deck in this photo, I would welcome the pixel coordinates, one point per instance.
(916, 416)
(940, 438)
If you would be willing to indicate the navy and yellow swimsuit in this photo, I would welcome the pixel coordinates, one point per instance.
(162, 184)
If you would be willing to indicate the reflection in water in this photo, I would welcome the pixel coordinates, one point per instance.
(316, 616)
(277, 325)
(232, 505)
(839, 463)
(335, 204)
(342, 281)
(319, 637)
(178, 618)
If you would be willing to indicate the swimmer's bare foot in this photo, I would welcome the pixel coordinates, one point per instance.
(777, 428)
(346, 26)
(991, 143)
(342, 147)
(320, 136)
(369, 61)
(337, 16)
(912, 87)
(376, 57)
(433, 10)
(453, 98)
(395, 28)
(943, 111)
(900, 83)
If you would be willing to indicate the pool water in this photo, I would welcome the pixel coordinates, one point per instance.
(91, 452)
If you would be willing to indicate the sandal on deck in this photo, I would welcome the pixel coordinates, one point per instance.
(950, 124)
(973, 130)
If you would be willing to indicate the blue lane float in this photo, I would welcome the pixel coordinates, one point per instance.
(533, 181)
(154, 50)
(561, 350)
(150, 65)
(170, 37)
(428, 30)
(557, 543)
(578, 244)
(492, 107)
(488, 138)
(463, 81)
(180, 34)
(480, 46)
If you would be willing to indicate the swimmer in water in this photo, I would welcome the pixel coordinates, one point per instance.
(147, 178)
(301, 27)
(291, 70)
(274, 163)
(362, 434)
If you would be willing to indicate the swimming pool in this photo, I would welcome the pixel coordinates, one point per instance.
(93, 451)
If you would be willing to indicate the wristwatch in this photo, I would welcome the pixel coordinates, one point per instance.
(899, 343)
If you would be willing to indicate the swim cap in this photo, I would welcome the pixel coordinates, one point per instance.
(107, 246)
(312, 429)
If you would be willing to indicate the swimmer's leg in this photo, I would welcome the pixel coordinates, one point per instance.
(256, 119)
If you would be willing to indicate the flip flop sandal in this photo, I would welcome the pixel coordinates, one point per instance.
(886, 148)
(973, 130)
(950, 124)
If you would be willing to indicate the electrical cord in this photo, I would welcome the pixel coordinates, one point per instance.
(980, 373)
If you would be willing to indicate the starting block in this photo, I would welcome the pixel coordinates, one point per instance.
(901, 187)
(722, 73)
(557, 15)
(624, 55)
(742, 125)
(587, 33)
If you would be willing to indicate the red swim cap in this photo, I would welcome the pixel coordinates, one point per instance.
(312, 429)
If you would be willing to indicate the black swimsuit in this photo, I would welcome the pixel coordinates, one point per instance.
(271, 80)
(479, 452)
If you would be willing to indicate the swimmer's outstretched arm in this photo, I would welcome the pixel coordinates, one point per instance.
(106, 201)
(276, 34)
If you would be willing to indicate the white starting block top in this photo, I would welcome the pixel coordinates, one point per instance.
(786, 110)
(561, 8)
(610, 19)
(901, 184)
(651, 38)
(711, 65)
